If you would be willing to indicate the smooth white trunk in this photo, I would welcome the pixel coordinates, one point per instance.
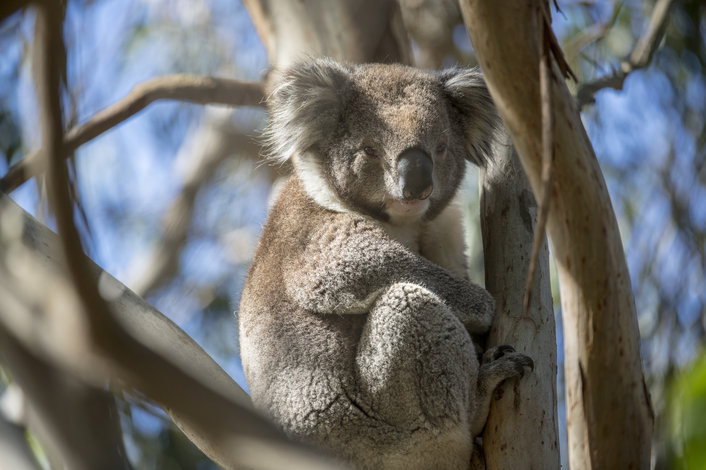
(521, 431)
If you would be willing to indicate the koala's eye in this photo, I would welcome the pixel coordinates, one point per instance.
(441, 148)
(370, 151)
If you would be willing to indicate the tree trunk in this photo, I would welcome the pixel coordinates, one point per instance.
(521, 431)
(608, 410)
(357, 32)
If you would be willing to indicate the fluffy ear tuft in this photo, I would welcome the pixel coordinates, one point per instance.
(466, 90)
(304, 107)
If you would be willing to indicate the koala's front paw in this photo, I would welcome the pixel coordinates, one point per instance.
(502, 362)
(498, 363)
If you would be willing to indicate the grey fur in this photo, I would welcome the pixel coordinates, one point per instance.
(356, 316)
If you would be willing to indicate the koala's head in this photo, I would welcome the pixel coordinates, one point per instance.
(387, 141)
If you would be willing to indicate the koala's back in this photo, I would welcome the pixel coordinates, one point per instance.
(301, 365)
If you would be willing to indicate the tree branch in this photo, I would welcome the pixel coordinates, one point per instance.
(39, 307)
(639, 58)
(14, 448)
(216, 144)
(608, 409)
(84, 431)
(224, 429)
(78, 445)
(592, 33)
(188, 88)
(291, 31)
(545, 97)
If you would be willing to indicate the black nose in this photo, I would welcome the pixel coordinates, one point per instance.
(415, 168)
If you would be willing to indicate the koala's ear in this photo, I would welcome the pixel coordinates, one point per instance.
(466, 91)
(305, 107)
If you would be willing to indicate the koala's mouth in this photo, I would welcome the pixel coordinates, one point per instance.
(396, 208)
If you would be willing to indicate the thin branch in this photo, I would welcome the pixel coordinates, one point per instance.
(188, 88)
(638, 59)
(165, 259)
(70, 432)
(239, 437)
(50, 47)
(545, 90)
(592, 33)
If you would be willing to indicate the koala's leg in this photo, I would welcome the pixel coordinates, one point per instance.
(499, 363)
(416, 364)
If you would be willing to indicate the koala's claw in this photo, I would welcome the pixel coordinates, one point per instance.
(527, 362)
(504, 362)
(521, 361)
(502, 350)
(496, 352)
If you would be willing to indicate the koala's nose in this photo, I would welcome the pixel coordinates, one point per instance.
(415, 169)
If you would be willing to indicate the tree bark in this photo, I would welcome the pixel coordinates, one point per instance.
(357, 32)
(39, 309)
(15, 452)
(526, 407)
(78, 422)
(608, 410)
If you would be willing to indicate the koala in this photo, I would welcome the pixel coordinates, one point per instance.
(357, 315)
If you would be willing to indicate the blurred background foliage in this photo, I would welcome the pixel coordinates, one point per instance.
(649, 138)
(686, 418)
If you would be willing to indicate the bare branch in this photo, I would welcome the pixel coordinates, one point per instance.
(638, 59)
(50, 50)
(230, 433)
(14, 448)
(39, 307)
(188, 88)
(217, 144)
(609, 417)
(31, 373)
(592, 33)
(84, 430)
(545, 95)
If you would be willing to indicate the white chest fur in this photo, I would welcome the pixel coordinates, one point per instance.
(441, 241)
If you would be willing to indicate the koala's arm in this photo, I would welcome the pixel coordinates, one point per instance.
(348, 264)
